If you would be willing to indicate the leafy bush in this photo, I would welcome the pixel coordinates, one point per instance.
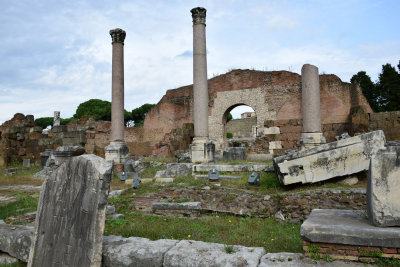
(44, 122)
(229, 135)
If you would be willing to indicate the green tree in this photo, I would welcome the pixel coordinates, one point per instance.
(99, 109)
(138, 114)
(389, 88)
(229, 117)
(44, 122)
(368, 88)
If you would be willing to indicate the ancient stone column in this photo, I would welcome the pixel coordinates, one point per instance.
(117, 150)
(310, 97)
(56, 120)
(202, 149)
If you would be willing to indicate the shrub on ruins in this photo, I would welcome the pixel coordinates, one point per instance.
(138, 114)
(99, 109)
(44, 122)
(384, 94)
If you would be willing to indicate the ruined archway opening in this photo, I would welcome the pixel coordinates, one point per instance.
(239, 131)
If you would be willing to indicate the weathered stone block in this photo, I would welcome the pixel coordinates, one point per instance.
(71, 214)
(197, 253)
(16, 240)
(383, 198)
(343, 157)
(134, 251)
(347, 227)
(234, 153)
(176, 206)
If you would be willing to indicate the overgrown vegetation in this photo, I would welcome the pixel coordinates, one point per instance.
(384, 94)
(20, 177)
(22, 205)
(226, 229)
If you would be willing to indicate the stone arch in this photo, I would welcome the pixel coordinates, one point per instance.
(225, 101)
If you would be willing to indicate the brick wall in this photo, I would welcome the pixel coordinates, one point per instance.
(241, 127)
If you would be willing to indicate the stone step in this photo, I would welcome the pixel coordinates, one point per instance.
(176, 206)
(232, 168)
(221, 177)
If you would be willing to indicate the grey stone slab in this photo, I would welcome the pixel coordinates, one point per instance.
(286, 259)
(134, 251)
(7, 260)
(383, 198)
(71, 214)
(176, 206)
(234, 153)
(349, 227)
(343, 157)
(231, 168)
(16, 240)
(197, 253)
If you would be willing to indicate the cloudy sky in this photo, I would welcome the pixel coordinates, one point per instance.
(57, 54)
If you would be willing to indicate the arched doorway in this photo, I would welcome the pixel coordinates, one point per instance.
(240, 130)
(225, 102)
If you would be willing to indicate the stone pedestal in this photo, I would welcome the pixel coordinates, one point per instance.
(202, 150)
(56, 120)
(117, 151)
(310, 99)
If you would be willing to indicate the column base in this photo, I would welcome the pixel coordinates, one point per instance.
(310, 140)
(117, 151)
(202, 150)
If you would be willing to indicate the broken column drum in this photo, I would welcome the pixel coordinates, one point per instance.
(117, 150)
(202, 149)
(310, 97)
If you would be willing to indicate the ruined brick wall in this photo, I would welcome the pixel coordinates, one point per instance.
(241, 127)
(389, 122)
(275, 96)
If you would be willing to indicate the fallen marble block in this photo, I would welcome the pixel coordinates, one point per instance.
(343, 157)
(383, 198)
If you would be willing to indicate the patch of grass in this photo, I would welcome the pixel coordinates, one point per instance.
(22, 205)
(226, 229)
(15, 264)
(21, 177)
(229, 249)
(150, 172)
(327, 258)
(163, 160)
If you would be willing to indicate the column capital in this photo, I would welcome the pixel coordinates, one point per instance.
(199, 15)
(117, 35)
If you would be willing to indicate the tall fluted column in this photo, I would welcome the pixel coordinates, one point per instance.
(117, 151)
(117, 104)
(200, 86)
(310, 97)
(202, 149)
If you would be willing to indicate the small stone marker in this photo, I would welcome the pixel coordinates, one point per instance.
(213, 175)
(26, 163)
(135, 183)
(122, 176)
(71, 214)
(254, 179)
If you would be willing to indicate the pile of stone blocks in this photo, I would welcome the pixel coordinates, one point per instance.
(343, 157)
(359, 235)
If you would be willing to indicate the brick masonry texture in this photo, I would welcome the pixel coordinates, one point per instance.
(275, 96)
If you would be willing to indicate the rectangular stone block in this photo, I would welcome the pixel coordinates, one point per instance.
(347, 227)
(343, 157)
(383, 198)
(271, 130)
(71, 214)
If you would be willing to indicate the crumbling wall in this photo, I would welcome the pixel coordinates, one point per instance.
(241, 127)
(389, 122)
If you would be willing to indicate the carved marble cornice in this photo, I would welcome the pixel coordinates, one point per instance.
(117, 35)
(199, 15)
